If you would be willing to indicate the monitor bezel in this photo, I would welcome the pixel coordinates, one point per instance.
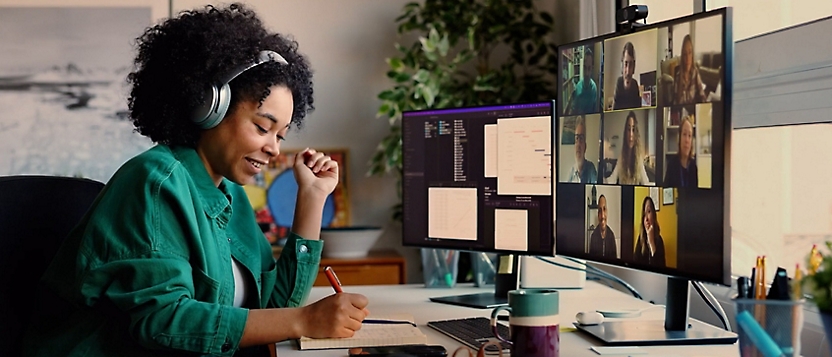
(723, 277)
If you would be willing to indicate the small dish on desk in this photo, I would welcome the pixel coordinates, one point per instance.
(349, 242)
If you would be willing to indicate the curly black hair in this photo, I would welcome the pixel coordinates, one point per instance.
(180, 57)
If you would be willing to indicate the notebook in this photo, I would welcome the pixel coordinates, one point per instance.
(371, 335)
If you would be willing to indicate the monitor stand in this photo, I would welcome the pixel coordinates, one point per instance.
(676, 329)
(505, 280)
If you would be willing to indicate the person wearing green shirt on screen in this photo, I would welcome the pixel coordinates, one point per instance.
(169, 260)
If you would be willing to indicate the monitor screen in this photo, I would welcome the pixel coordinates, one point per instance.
(479, 178)
(643, 146)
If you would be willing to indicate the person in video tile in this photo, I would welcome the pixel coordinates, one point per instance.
(681, 169)
(584, 97)
(627, 94)
(687, 85)
(582, 171)
(649, 246)
(629, 169)
(602, 241)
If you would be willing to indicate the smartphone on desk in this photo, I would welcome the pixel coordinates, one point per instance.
(400, 351)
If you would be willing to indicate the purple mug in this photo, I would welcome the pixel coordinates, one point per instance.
(533, 323)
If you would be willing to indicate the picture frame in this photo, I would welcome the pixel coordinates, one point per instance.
(654, 194)
(273, 194)
(63, 70)
(667, 196)
(567, 136)
(159, 9)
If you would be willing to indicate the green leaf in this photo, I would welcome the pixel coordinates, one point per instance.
(547, 18)
(421, 76)
(383, 110)
(443, 46)
(427, 45)
(395, 64)
(401, 77)
(433, 36)
(386, 94)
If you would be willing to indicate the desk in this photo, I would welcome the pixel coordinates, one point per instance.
(377, 268)
(413, 299)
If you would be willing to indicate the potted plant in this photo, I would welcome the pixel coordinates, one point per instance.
(817, 284)
(464, 53)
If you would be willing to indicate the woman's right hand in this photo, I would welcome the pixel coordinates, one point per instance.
(337, 315)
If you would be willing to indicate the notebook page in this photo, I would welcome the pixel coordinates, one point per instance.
(372, 335)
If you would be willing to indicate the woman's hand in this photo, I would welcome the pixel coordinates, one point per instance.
(316, 171)
(337, 315)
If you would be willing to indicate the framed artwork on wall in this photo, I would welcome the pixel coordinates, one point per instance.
(274, 194)
(667, 196)
(63, 89)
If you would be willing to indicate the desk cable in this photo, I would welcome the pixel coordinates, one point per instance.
(595, 271)
(712, 302)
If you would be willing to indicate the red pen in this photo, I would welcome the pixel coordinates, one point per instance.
(333, 279)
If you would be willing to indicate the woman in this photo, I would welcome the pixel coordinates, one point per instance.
(169, 260)
(627, 93)
(649, 246)
(629, 169)
(687, 85)
(681, 169)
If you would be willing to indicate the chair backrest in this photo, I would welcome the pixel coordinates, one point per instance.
(36, 214)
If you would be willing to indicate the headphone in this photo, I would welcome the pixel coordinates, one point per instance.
(218, 96)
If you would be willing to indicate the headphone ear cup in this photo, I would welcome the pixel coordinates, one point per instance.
(210, 116)
(210, 100)
(223, 100)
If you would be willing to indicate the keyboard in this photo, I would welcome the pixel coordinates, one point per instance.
(473, 332)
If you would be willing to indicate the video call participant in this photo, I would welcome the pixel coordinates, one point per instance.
(169, 260)
(629, 169)
(687, 85)
(602, 241)
(681, 169)
(649, 246)
(627, 93)
(582, 170)
(584, 98)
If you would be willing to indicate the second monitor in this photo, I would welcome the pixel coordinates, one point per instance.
(479, 179)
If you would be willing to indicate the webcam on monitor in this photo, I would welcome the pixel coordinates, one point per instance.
(631, 14)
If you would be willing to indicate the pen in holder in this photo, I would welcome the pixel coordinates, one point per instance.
(769, 327)
(439, 267)
(484, 268)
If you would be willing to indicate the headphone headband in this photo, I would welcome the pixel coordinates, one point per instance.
(218, 96)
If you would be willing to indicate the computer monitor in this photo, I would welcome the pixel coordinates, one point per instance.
(479, 179)
(643, 148)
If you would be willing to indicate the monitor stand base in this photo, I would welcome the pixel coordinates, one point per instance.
(652, 333)
(477, 301)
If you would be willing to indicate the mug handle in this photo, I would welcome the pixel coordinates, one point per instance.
(494, 323)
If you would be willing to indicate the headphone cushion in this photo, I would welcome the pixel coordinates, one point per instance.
(208, 106)
(219, 102)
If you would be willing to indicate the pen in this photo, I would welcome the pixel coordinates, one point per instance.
(333, 279)
(389, 322)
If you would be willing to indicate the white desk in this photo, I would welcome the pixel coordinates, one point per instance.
(413, 299)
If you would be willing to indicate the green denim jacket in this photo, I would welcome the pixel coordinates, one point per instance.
(147, 272)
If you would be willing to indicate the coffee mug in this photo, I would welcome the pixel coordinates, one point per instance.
(533, 323)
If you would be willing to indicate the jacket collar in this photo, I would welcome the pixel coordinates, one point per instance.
(214, 199)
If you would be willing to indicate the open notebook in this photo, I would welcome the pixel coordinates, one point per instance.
(371, 335)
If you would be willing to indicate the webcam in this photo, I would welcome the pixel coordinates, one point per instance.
(631, 14)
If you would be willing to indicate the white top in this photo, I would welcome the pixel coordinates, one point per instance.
(239, 283)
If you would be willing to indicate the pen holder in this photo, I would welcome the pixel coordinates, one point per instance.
(439, 267)
(769, 327)
(484, 268)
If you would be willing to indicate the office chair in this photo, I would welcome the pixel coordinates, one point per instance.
(36, 214)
